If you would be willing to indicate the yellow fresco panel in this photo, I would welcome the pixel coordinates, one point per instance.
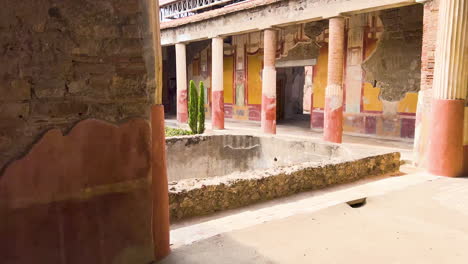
(320, 78)
(254, 80)
(371, 101)
(228, 79)
(408, 104)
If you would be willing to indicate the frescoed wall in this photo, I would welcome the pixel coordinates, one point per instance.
(376, 102)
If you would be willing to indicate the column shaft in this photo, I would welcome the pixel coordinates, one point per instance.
(450, 89)
(181, 76)
(159, 184)
(333, 118)
(217, 88)
(268, 116)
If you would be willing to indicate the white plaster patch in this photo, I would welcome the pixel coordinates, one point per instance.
(269, 82)
(335, 102)
(333, 89)
(389, 108)
(365, 100)
(334, 96)
(353, 108)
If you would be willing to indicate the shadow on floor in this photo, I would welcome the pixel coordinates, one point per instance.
(218, 249)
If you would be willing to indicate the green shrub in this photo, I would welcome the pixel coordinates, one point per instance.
(192, 107)
(201, 109)
(173, 132)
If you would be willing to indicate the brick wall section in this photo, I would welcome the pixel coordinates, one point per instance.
(431, 11)
(65, 61)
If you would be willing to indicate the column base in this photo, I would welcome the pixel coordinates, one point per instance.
(268, 120)
(333, 121)
(217, 110)
(446, 138)
(159, 184)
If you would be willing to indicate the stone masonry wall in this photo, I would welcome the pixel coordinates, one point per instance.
(193, 197)
(65, 61)
(76, 80)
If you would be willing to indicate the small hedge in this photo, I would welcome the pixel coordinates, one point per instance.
(173, 132)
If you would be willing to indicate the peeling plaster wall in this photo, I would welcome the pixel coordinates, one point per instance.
(390, 50)
(76, 84)
(395, 65)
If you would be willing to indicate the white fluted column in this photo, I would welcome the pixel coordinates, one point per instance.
(449, 90)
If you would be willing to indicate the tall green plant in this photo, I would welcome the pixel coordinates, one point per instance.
(193, 107)
(201, 109)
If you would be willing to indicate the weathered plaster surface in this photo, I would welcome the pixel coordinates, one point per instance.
(224, 154)
(68, 199)
(395, 65)
(201, 196)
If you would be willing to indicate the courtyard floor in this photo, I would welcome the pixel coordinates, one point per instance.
(412, 218)
(415, 218)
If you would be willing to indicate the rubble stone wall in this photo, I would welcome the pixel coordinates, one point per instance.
(194, 197)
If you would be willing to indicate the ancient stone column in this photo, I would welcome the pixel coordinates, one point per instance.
(333, 118)
(268, 116)
(449, 90)
(181, 75)
(217, 88)
(159, 180)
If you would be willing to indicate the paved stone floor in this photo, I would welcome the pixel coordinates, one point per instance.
(415, 218)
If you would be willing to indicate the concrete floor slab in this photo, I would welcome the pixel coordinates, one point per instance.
(415, 218)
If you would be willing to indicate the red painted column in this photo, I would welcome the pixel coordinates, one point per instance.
(446, 151)
(160, 184)
(181, 76)
(333, 117)
(217, 87)
(268, 116)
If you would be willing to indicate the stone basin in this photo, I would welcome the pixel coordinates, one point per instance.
(218, 172)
